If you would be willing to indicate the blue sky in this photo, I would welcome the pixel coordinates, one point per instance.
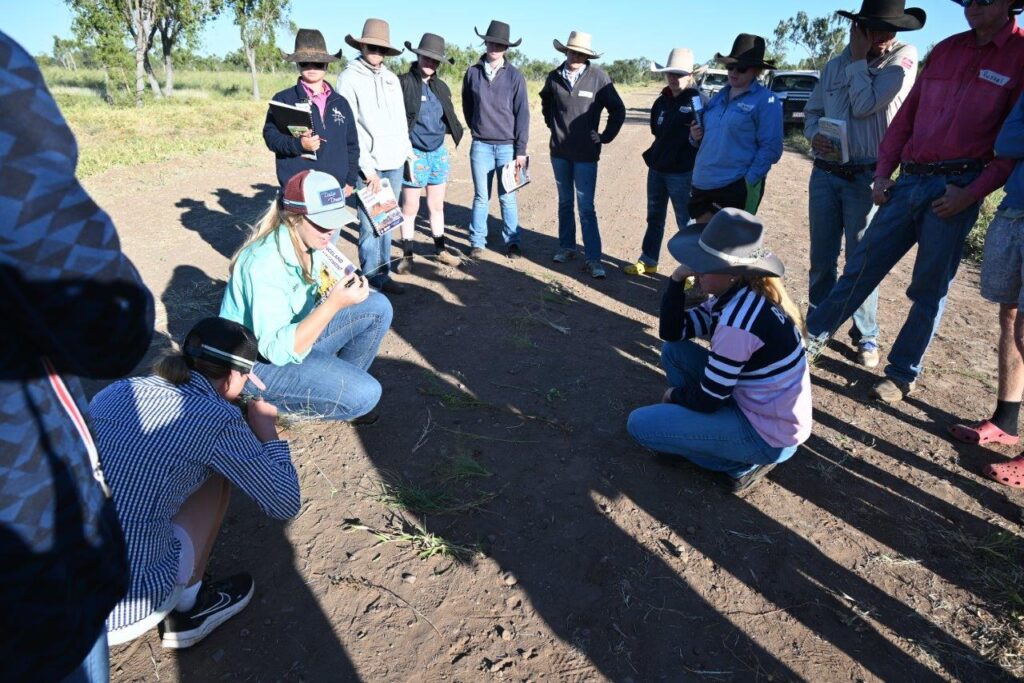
(621, 29)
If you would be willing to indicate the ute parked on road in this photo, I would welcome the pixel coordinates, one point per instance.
(794, 89)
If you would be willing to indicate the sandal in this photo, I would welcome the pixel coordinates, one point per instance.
(1010, 473)
(981, 434)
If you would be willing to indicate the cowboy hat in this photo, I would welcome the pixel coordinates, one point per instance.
(432, 46)
(747, 51)
(498, 32)
(680, 61)
(732, 242)
(887, 15)
(578, 42)
(310, 46)
(376, 33)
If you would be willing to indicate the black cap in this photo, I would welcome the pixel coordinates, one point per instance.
(223, 342)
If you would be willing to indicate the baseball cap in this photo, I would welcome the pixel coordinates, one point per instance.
(226, 343)
(317, 196)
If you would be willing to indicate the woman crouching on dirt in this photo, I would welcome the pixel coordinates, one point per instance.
(172, 445)
(318, 330)
(745, 406)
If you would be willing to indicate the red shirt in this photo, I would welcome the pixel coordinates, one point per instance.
(957, 106)
(320, 100)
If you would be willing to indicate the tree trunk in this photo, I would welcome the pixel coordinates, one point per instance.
(168, 74)
(108, 90)
(154, 84)
(250, 55)
(140, 72)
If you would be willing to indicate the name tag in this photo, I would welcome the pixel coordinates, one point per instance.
(586, 93)
(685, 110)
(993, 77)
(744, 107)
(423, 98)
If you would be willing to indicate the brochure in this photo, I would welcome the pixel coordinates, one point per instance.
(382, 207)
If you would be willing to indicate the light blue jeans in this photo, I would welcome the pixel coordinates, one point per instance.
(95, 668)
(840, 209)
(485, 161)
(375, 252)
(661, 187)
(577, 181)
(332, 382)
(722, 441)
(905, 220)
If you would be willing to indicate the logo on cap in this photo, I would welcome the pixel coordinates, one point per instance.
(331, 196)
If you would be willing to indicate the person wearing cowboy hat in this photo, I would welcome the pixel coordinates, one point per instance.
(942, 139)
(670, 157)
(496, 110)
(572, 100)
(332, 146)
(375, 95)
(430, 115)
(863, 86)
(741, 135)
(173, 443)
(743, 406)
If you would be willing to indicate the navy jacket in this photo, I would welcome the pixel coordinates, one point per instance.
(497, 112)
(72, 297)
(339, 146)
(572, 113)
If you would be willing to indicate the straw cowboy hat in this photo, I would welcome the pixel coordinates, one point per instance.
(747, 51)
(432, 46)
(310, 46)
(733, 242)
(498, 32)
(680, 61)
(376, 33)
(578, 42)
(887, 15)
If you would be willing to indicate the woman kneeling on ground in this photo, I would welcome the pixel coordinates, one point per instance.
(745, 406)
(172, 445)
(318, 330)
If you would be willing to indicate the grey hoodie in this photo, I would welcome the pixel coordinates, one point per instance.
(376, 100)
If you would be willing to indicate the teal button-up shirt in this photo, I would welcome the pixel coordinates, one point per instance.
(267, 294)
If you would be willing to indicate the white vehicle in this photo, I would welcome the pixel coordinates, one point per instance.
(794, 89)
(711, 81)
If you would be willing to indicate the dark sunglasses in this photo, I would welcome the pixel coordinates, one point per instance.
(313, 65)
(743, 69)
(373, 49)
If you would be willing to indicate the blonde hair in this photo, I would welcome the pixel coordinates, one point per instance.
(268, 224)
(774, 290)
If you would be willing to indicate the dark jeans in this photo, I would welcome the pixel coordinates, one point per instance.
(661, 187)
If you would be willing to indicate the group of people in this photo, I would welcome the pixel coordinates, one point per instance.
(159, 457)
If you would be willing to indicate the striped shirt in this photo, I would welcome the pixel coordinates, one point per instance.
(159, 443)
(757, 359)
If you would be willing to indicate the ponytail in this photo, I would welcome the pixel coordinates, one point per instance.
(268, 223)
(176, 368)
(774, 290)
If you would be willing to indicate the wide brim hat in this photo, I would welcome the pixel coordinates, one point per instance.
(319, 197)
(680, 61)
(376, 32)
(310, 46)
(432, 46)
(578, 42)
(732, 243)
(498, 32)
(887, 15)
(748, 52)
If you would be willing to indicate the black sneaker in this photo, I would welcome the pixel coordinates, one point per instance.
(218, 601)
(513, 251)
(476, 253)
(750, 478)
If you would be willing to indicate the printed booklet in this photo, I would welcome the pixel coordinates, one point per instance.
(835, 131)
(294, 119)
(336, 267)
(382, 207)
(512, 179)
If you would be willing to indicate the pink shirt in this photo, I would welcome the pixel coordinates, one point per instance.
(957, 106)
(320, 100)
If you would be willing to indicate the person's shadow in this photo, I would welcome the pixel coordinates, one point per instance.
(226, 229)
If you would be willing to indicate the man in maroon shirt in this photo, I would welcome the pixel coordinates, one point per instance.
(942, 137)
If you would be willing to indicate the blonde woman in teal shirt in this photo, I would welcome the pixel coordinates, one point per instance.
(318, 335)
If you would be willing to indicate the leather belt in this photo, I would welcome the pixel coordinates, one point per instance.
(844, 171)
(958, 167)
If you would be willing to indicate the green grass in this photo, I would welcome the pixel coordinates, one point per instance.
(396, 492)
(416, 536)
(461, 467)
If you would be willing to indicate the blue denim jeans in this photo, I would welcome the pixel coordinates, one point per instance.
(375, 252)
(332, 382)
(840, 209)
(722, 441)
(905, 220)
(660, 188)
(485, 161)
(577, 180)
(95, 668)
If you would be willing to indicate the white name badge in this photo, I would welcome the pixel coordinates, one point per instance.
(586, 93)
(423, 98)
(685, 110)
(744, 107)
(993, 77)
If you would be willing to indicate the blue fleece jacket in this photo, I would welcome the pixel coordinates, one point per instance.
(497, 111)
(1010, 145)
(339, 144)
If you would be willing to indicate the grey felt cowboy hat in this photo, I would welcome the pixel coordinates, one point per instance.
(377, 33)
(432, 46)
(578, 42)
(733, 242)
(310, 46)
(887, 15)
(498, 32)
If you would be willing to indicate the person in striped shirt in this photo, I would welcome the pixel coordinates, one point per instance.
(743, 406)
(172, 445)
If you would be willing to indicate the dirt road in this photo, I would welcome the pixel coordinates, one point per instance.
(506, 390)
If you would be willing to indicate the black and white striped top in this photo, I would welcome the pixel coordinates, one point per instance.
(159, 443)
